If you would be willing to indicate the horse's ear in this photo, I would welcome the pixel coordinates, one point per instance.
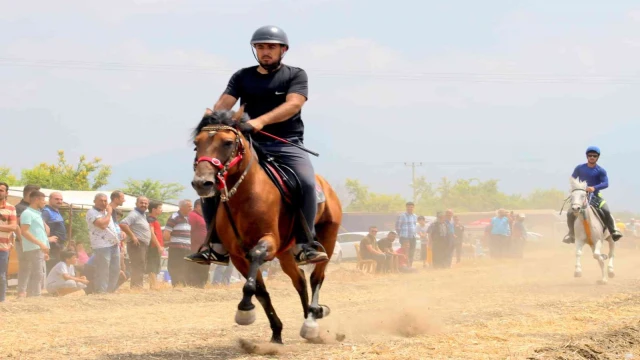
(238, 115)
(208, 112)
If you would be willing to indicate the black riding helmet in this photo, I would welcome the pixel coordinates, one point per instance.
(269, 34)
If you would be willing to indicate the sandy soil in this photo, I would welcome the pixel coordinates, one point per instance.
(480, 309)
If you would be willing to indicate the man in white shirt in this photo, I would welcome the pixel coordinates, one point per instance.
(104, 242)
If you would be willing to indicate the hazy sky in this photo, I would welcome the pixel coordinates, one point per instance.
(514, 90)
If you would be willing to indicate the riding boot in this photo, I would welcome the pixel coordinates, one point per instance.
(306, 250)
(570, 237)
(611, 224)
(212, 251)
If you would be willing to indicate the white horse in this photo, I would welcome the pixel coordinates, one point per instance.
(589, 229)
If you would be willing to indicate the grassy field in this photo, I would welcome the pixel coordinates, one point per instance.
(481, 309)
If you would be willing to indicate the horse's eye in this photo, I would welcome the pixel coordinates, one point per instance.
(227, 143)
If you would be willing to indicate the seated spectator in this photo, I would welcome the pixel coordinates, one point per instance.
(62, 278)
(369, 249)
(403, 258)
(386, 245)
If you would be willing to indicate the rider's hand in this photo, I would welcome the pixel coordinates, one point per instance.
(246, 128)
(591, 189)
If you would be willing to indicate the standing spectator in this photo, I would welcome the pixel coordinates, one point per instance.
(35, 246)
(62, 278)
(458, 239)
(369, 250)
(177, 237)
(406, 229)
(20, 208)
(52, 217)
(500, 235)
(198, 274)
(105, 244)
(136, 226)
(154, 254)
(423, 233)
(8, 226)
(451, 232)
(519, 237)
(117, 200)
(440, 243)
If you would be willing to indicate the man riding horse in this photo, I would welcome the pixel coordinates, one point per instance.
(273, 95)
(596, 178)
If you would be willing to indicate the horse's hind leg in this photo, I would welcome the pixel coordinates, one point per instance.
(246, 314)
(310, 328)
(612, 247)
(289, 266)
(265, 300)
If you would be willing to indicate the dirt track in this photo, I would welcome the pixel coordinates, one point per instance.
(483, 309)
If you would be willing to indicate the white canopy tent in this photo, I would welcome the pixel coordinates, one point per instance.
(83, 200)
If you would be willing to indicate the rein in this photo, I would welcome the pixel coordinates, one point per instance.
(239, 151)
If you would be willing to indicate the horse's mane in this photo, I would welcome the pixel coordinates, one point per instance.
(219, 117)
(576, 183)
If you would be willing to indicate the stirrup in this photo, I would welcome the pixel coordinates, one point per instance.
(303, 258)
(569, 239)
(207, 256)
(616, 235)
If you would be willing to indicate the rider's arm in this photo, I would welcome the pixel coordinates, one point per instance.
(604, 180)
(575, 173)
(225, 102)
(230, 94)
(296, 97)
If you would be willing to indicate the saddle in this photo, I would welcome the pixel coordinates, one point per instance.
(285, 179)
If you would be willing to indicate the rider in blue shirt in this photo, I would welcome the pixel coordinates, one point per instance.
(596, 178)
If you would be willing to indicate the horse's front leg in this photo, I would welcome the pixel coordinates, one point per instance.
(246, 314)
(579, 244)
(597, 254)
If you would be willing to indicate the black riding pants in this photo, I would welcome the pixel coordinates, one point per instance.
(300, 163)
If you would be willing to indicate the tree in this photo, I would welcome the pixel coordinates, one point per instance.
(85, 176)
(64, 176)
(462, 195)
(7, 176)
(153, 189)
(364, 200)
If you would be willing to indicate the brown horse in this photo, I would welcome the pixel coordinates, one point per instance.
(255, 222)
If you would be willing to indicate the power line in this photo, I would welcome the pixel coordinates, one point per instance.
(435, 76)
(413, 176)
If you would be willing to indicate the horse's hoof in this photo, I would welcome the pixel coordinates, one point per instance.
(245, 317)
(577, 274)
(310, 330)
(325, 311)
(611, 274)
(602, 282)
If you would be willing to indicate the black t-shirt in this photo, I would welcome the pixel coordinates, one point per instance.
(261, 93)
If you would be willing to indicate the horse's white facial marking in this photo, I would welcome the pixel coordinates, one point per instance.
(578, 196)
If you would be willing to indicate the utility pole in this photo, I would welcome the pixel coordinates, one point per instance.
(413, 176)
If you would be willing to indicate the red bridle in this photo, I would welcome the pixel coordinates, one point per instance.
(223, 169)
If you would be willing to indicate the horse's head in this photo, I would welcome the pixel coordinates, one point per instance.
(579, 198)
(220, 149)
